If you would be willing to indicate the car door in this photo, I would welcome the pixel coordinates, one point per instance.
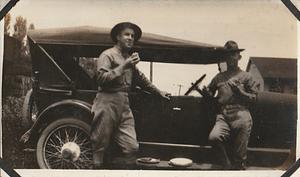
(151, 116)
(180, 120)
(191, 120)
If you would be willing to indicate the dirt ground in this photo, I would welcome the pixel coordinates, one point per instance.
(13, 153)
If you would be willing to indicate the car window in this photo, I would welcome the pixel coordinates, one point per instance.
(88, 65)
(177, 78)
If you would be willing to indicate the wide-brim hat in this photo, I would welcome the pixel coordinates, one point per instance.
(232, 46)
(121, 26)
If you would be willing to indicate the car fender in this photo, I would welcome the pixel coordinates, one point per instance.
(60, 109)
(276, 99)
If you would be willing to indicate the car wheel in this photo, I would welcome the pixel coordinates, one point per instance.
(65, 144)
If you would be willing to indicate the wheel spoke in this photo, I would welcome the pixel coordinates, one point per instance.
(80, 137)
(75, 137)
(52, 158)
(53, 153)
(84, 164)
(68, 165)
(59, 138)
(85, 150)
(87, 163)
(76, 166)
(84, 156)
(87, 155)
(55, 162)
(84, 141)
(68, 134)
(58, 148)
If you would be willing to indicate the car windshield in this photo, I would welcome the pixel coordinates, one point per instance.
(177, 78)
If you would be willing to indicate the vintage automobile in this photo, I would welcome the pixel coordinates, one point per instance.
(59, 104)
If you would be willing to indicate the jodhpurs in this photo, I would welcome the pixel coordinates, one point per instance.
(235, 131)
(113, 121)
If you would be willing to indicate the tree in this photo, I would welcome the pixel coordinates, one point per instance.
(31, 26)
(20, 32)
(20, 29)
(7, 20)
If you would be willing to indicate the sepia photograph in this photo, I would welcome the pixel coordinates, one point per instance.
(151, 85)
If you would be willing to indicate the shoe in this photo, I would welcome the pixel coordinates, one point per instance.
(239, 166)
(98, 166)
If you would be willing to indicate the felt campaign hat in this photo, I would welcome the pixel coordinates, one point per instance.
(121, 26)
(232, 46)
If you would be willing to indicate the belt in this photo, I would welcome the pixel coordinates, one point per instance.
(230, 111)
(122, 89)
(233, 107)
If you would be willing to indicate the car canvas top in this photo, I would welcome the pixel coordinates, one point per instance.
(152, 47)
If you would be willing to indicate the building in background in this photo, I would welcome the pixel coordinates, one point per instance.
(274, 74)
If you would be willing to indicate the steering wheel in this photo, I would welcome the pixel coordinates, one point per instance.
(195, 86)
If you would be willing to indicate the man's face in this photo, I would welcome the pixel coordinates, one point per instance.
(126, 38)
(233, 59)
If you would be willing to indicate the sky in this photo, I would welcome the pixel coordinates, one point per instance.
(265, 28)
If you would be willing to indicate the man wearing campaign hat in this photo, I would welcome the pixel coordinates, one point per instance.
(236, 89)
(117, 73)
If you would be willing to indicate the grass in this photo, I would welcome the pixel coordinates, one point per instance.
(13, 153)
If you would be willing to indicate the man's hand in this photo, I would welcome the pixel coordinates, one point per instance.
(24, 139)
(205, 92)
(165, 95)
(239, 89)
(132, 60)
(236, 88)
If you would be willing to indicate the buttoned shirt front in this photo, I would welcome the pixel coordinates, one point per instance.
(226, 95)
(109, 79)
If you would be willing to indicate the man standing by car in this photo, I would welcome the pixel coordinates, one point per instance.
(236, 89)
(116, 75)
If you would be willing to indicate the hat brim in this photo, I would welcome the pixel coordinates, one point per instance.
(121, 26)
(234, 50)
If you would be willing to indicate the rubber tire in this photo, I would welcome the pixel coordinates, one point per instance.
(49, 129)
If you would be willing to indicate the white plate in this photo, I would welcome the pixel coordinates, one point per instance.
(148, 160)
(181, 162)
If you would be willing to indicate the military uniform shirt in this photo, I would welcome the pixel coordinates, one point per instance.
(109, 79)
(225, 93)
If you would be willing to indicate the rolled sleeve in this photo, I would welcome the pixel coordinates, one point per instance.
(105, 72)
(212, 87)
(252, 87)
(143, 82)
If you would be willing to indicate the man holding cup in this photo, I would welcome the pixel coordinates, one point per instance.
(116, 73)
